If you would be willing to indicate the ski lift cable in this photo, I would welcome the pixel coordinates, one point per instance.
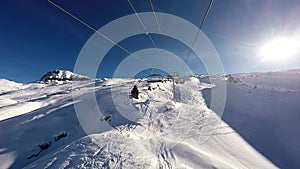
(144, 27)
(146, 31)
(157, 23)
(138, 17)
(96, 31)
(198, 32)
(155, 16)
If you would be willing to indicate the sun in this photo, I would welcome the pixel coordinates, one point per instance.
(279, 49)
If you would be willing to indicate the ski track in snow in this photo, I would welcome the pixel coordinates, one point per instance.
(185, 134)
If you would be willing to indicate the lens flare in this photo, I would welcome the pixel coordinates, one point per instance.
(280, 49)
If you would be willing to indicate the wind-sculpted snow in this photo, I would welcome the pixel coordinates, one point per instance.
(183, 133)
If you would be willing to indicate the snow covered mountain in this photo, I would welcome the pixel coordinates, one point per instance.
(40, 128)
(62, 75)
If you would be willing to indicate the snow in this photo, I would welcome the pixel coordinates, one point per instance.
(7, 85)
(39, 128)
(62, 75)
(7, 157)
(18, 109)
(263, 107)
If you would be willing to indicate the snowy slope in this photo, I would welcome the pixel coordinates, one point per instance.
(264, 109)
(41, 130)
(7, 85)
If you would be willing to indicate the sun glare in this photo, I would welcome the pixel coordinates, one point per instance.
(279, 49)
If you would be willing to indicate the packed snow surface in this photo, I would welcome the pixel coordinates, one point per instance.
(39, 128)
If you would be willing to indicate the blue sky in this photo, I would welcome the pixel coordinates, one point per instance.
(36, 37)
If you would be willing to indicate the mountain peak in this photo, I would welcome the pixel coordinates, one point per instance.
(62, 75)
